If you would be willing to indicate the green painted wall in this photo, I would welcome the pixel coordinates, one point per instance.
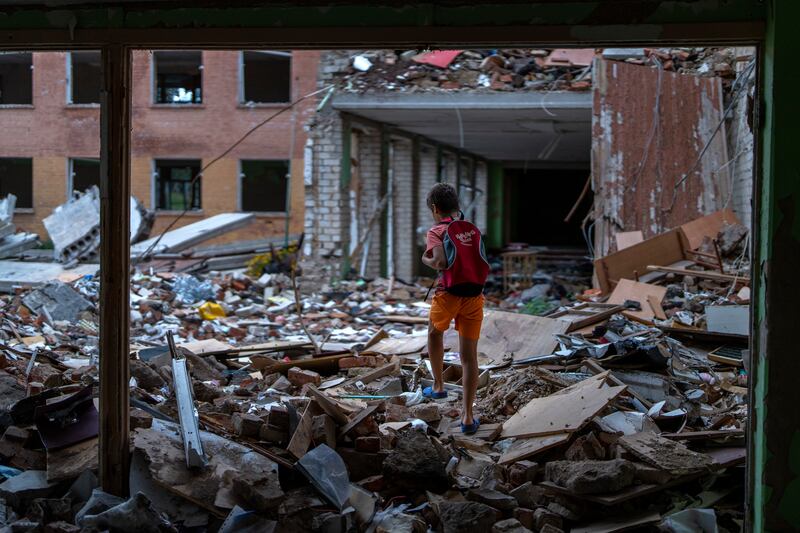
(775, 418)
(494, 234)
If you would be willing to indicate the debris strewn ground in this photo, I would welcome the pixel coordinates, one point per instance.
(311, 415)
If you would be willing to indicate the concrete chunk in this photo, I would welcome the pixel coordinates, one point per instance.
(591, 477)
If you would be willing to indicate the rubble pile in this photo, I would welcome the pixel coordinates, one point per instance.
(282, 409)
(11, 241)
(510, 69)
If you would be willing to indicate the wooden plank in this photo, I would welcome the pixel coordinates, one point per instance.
(626, 239)
(357, 419)
(727, 457)
(706, 435)
(655, 305)
(485, 431)
(518, 335)
(595, 368)
(401, 346)
(268, 364)
(372, 375)
(301, 439)
(708, 226)
(375, 339)
(586, 314)
(707, 274)
(639, 292)
(115, 221)
(328, 405)
(524, 448)
(663, 249)
(563, 412)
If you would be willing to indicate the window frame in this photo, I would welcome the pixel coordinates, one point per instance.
(240, 187)
(154, 179)
(154, 83)
(32, 208)
(33, 85)
(71, 172)
(69, 78)
(242, 101)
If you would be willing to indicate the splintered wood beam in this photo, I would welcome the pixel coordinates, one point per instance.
(115, 185)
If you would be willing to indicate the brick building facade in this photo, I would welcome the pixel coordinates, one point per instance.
(188, 108)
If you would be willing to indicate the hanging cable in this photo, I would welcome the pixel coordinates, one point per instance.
(241, 139)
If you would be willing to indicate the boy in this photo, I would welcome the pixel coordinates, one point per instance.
(458, 294)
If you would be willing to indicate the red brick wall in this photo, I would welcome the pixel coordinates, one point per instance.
(51, 132)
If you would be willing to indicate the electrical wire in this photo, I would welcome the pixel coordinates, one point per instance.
(241, 139)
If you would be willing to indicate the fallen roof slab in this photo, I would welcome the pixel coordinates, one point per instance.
(188, 236)
(19, 273)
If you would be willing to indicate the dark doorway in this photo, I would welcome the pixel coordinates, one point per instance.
(538, 200)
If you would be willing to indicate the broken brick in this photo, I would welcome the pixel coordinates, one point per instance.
(299, 377)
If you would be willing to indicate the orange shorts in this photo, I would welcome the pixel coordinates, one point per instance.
(466, 310)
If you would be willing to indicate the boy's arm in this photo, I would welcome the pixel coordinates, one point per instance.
(434, 258)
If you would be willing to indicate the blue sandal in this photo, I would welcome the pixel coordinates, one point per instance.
(428, 392)
(470, 429)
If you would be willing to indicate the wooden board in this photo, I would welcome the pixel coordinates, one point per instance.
(655, 305)
(205, 346)
(518, 335)
(328, 405)
(585, 314)
(301, 439)
(360, 417)
(708, 226)
(663, 249)
(485, 431)
(268, 364)
(706, 274)
(640, 292)
(524, 448)
(563, 412)
(626, 239)
(401, 346)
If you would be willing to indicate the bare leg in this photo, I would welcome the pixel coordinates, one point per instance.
(436, 354)
(469, 364)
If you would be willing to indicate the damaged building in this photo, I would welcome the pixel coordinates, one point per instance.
(186, 104)
(606, 142)
(247, 368)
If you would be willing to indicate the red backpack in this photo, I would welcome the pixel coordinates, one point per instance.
(467, 266)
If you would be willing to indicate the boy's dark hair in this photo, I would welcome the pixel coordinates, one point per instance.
(444, 197)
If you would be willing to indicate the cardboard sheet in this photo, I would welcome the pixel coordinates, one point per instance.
(640, 292)
(518, 335)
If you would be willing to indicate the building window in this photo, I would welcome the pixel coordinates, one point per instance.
(84, 174)
(266, 76)
(264, 186)
(16, 78)
(175, 190)
(85, 77)
(16, 177)
(178, 77)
